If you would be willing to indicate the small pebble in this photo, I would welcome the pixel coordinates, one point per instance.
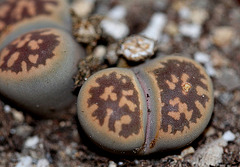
(225, 98)
(113, 25)
(171, 28)
(178, 5)
(18, 116)
(210, 69)
(205, 59)
(199, 16)
(187, 151)
(219, 60)
(116, 29)
(117, 13)
(165, 39)
(210, 154)
(228, 136)
(99, 53)
(42, 163)
(161, 4)
(7, 108)
(136, 161)
(68, 150)
(205, 43)
(25, 162)
(201, 57)
(120, 163)
(24, 130)
(12, 131)
(190, 30)
(155, 26)
(184, 13)
(112, 164)
(210, 131)
(222, 36)
(229, 79)
(111, 55)
(82, 8)
(32, 142)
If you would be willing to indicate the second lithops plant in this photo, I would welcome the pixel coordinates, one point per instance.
(20, 16)
(164, 104)
(36, 71)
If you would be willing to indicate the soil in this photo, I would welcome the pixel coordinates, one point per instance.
(61, 141)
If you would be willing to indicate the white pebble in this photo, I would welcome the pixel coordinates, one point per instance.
(111, 55)
(120, 163)
(190, 30)
(155, 26)
(114, 28)
(136, 162)
(100, 52)
(25, 162)
(24, 130)
(210, 154)
(68, 150)
(205, 59)
(32, 142)
(83, 7)
(201, 57)
(117, 13)
(210, 69)
(184, 13)
(228, 136)
(7, 108)
(187, 151)
(42, 163)
(18, 116)
(112, 164)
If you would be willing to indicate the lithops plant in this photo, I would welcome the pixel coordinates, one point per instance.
(162, 105)
(20, 16)
(36, 71)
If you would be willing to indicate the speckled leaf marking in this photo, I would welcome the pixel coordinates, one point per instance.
(13, 11)
(137, 48)
(178, 82)
(117, 100)
(29, 50)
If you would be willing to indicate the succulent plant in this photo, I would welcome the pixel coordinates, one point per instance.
(161, 105)
(20, 16)
(137, 48)
(36, 71)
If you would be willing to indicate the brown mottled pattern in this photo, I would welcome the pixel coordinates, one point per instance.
(124, 83)
(21, 51)
(13, 11)
(177, 68)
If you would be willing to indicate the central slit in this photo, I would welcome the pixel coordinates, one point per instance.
(147, 98)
